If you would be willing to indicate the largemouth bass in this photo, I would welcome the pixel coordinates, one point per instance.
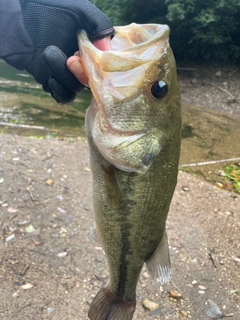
(133, 128)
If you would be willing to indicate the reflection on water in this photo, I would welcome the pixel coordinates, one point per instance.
(22, 101)
(207, 134)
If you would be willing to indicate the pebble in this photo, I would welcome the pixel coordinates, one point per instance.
(49, 310)
(49, 182)
(206, 83)
(15, 294)
(9, 238)
(62, 254)
(149, 305)
(218, 74)
(202, 287)
(231, 100)
(194, 282)
(26, 286)
(29, 229)
(212, 310)
(175, 294)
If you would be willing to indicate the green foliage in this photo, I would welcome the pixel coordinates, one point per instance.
(199, 29)
(211, 29)
(111, 8)
(232, 175)
(176, 12)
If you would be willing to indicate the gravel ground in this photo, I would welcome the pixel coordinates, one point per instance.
(51, 269)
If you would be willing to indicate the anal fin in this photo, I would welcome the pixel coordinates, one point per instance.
(158, 264)
(106, 306)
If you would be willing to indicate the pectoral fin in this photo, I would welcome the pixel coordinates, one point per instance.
(158, 264)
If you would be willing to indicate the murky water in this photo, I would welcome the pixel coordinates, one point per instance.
(207, 134)
(22, 101)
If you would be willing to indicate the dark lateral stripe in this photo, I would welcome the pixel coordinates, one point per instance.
(125, 232)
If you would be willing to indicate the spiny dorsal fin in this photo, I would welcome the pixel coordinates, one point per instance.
(158, 264)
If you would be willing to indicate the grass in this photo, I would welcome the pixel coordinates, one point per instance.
(231, 174)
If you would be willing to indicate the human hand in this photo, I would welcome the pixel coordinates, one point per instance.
(46, 35)
(74, 63)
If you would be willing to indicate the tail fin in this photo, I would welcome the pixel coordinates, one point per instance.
(107, 307)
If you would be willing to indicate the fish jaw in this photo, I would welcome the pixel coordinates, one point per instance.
(119, 81)
(127, 151)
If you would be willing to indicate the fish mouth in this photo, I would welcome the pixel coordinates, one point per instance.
(132, 46)
(140, 35)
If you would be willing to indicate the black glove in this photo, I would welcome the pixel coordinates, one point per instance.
(39, 36)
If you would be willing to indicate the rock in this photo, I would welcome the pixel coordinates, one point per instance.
(194, 81)
(9, 238)
(206, 83)
(149, 305)
(175, 294)
(30, 229)
(218, 74)
(202, 287)
(49, 182)
(15, 294)
(231, 100)
(212, 310)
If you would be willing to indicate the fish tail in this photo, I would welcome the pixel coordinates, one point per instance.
(106, 306)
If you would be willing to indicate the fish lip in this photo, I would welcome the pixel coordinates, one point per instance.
(158, 32)
(140, 37)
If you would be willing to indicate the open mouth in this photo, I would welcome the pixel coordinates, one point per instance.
(130, 36)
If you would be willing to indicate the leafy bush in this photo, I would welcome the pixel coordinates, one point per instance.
(199, 29)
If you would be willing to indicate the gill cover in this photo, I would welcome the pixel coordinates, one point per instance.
(118, 81)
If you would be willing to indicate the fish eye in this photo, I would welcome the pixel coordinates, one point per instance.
(159, 89)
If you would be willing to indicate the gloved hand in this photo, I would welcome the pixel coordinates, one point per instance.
(39, 36)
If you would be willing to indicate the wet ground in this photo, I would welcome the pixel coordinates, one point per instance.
(51, 269)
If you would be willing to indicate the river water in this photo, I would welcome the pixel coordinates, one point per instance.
(208, 135)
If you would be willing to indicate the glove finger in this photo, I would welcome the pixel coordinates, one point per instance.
(61, 94)
(55, 59)
(85, 13)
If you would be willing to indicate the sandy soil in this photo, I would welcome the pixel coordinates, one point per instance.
(51, 269)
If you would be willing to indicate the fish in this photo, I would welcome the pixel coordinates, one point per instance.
(133, 127)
